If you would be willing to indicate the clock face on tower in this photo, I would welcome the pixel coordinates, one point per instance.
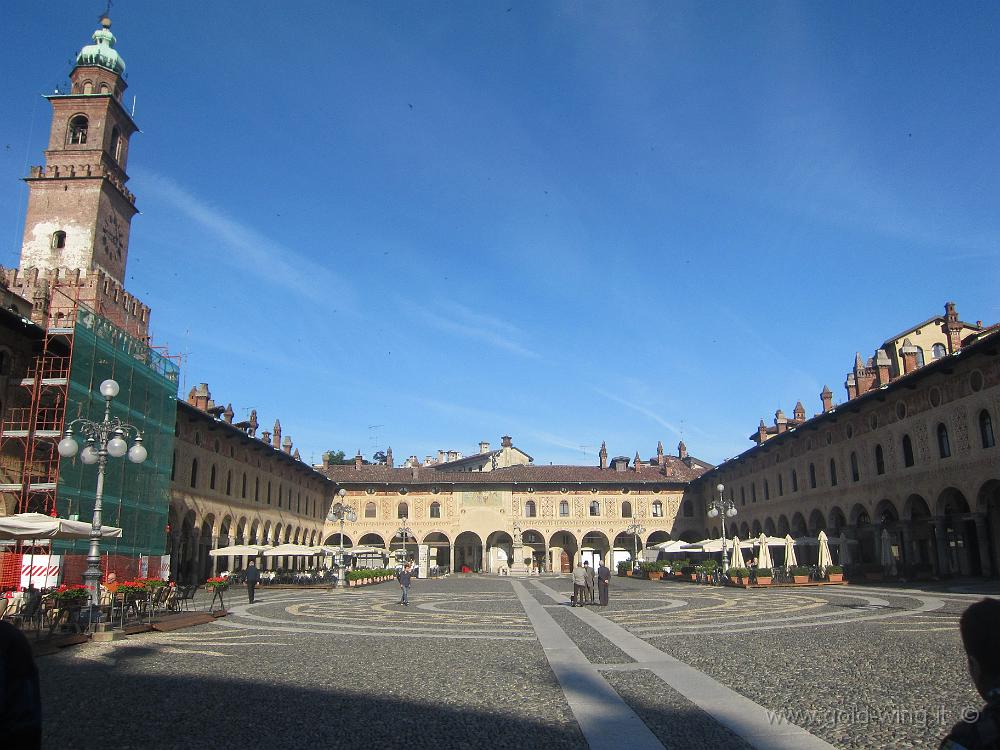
(112, 236)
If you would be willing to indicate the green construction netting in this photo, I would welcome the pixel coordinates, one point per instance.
(136, 497)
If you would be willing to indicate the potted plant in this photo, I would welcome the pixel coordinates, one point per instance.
(737, 576)
(690, 572)
(623, 568)
(655, 571)
(800, 573)
(835, 574)
(764, 576)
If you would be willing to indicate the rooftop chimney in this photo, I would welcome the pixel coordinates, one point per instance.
(358, 460)
(827, 398)
(484, 447)
(506, 441)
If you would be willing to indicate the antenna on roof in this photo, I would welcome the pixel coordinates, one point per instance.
(133, 107)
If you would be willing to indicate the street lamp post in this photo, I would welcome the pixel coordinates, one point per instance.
(725, 509)
(103, 439)
(342, 512)
(635, 528)
(404, 532)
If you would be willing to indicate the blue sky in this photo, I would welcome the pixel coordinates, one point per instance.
(425, 224)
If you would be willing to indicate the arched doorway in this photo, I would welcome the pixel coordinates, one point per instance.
(562, 551)
(371, 540)
(988, 525)
(784, 529)
(403, 550)
(769, 526)
(626, 547)
(534, 547)
(499, 551)
(955, 529)
(469, 552)
(205, 561)
(595, 548)
(438, 550)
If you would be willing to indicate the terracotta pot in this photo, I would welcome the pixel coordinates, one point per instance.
(835, 577)
(764, 581)
(800, 579)
(655, 575)
(736, 581)
(693, 576)
(629, 573)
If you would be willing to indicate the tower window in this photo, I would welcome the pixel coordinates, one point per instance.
(907, 451)
(563, 508)
(944, 445)
(78, 129)
(986, 429)
(116, 144)
(88, 87)
(879, 460)
(58, 240)
(105, 89)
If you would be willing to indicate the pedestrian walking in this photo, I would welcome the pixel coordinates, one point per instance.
(404, 576)
(252, 577)
(589, 574)
(603, 582)
(980, 629)
(579, 585)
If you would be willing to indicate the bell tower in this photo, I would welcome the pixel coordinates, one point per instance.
(76, 233)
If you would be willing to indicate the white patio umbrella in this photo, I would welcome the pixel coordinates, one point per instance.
(764, 553)
(291, 550)
(705, 545)
(238, 550)
(670, 547)
(888, 561)
(28, 526)
(824, 559)
(736, 555)
(790, 560)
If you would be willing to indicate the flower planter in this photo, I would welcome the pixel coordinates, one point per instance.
(800, 579)
(835, 577)
(655, 575)
(693, 577)
(736, 581)
(763, 581)
(629, 573)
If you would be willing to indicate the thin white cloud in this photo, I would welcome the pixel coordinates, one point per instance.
(459, 320)
(248, 249)
(641, 410)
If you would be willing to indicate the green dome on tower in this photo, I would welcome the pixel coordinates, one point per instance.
(102, 52)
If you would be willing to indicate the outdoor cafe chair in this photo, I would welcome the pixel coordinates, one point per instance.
(30, 612)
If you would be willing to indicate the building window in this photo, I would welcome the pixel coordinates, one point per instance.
(116, 145)
(657, 509)
(767, 490)
(369, 510)
(743, 495)
(944, 445)
(812, 476)
(781, 486)
(688, 509)
(268, 493)
(626, 509)
(58, 240)
(243, 489)
(402, 511)
(88, 87)
(563, 508)
(986, 429)
(229, 482)
(833, 473)
(795, 481)
(920, 357)
(855, 471)
(78, 130)
(595, 508)
(173, 467)
(907, 451)
(211, 478)
(105, 89)
(938, 351)
(529, 509)
(435, 510)
(879, 460)
(256, 489)
(194, 472)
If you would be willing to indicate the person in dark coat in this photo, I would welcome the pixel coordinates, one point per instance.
(980, 628)
(405, 576)
(603, 582)
(20, 696)
(252, 577)
(589, 573)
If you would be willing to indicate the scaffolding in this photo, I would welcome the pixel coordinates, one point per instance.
(79, 349)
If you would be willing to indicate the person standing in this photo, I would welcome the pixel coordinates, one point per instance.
(252, 577)
(603, 582)
(980, 629)
(589, 573)
(404, 576)
(579, 585)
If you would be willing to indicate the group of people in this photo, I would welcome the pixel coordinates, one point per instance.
(586, 579)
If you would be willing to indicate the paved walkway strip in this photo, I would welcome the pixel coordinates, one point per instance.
(737, 713)
(605, 719)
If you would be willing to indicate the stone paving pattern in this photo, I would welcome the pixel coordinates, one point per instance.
(461, 667)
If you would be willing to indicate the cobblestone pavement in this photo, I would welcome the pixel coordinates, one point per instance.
(462, 666)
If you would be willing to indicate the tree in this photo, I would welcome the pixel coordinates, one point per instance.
(379, 458)
(337, 458)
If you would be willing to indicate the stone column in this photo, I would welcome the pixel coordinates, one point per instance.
(451, 558)
(983, 537)
(906, 543)
(196, 556)
(941, 540)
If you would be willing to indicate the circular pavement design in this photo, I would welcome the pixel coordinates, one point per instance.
(479, 615)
